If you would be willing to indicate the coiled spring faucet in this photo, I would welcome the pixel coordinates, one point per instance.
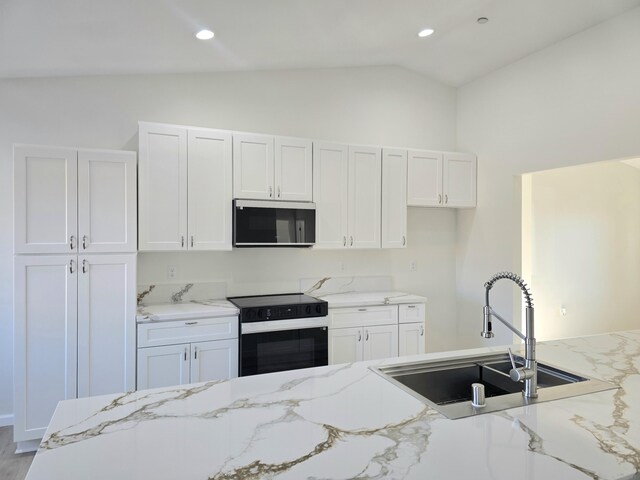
(528, 373)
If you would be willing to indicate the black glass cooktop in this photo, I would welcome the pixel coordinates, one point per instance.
(257, 308)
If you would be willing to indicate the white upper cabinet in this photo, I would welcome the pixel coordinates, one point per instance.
(459, 180)
(162, 194)
(106, 324)
(424, 180)
(210, 189)
(347, 184)
(106, 201)
(45, 200)
(394, 198)
(293, 169)
(74, 200)
(438, 179)
(330, 194)
(253, 167)
(364, 204)
(272, 168)
(186, 191)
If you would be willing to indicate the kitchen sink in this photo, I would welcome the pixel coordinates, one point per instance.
(446, 384)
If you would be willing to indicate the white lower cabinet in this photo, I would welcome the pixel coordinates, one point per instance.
(168, 354)
(411, 339)
(375, 332)
(74, 333)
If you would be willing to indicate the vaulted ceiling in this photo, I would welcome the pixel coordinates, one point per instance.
(88, 37)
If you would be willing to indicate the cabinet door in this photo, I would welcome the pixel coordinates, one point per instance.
(293, 169)
(45, 196)
(380, 342)
(163, 366)
(210, 190)
(365, 183)
(216, 360)
(330, 194)
(107, 201)
(253, 166)
(345, 345)
(162, 187)
(45, 340)
(459, 180)
(424, 179)
(411, 338)
(106, 324)
(394, 198)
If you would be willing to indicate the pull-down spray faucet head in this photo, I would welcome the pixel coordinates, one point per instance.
(486, 326)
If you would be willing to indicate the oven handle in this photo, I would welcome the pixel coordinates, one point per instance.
(282, 325)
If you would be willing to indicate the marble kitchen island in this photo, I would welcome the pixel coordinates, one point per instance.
(345, 421)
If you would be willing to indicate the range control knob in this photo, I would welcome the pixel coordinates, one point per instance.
(260, 313)
(307, 309)
(318, 308)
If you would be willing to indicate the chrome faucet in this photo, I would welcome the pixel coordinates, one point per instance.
(528, 373)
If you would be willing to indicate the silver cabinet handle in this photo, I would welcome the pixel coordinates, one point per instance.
(366, 335)
(421, 331)
(185, 354)
(362, 309)
(71, 266)
(195, 353)
(182, 241)
(191, 241)
(278, 191)
(270, 192)
(359, 335)
(190, 323)
(85, 241)
(72, 240)
(446, 199)
(411, 306)
(404, 240)
(84, 266)
(351, 243)
(344, 241)
(439, 198)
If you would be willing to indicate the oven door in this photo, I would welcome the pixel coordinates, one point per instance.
(282, 349)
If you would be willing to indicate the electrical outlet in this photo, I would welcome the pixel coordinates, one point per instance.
(563, 310)
(413, 266)
(172, 272)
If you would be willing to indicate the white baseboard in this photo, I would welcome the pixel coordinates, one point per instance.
(27, 446)
(6, 420)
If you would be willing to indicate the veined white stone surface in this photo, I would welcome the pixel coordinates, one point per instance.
(180, 292)
(358, 299)
(182, 311)
(346, 421)
(319, 287)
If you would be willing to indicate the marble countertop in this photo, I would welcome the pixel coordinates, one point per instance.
(361, 299)
(181, 311)
(345, 421)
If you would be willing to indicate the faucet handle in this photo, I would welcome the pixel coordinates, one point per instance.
(513, 362)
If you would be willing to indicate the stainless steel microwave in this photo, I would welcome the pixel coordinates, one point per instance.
(263, 223)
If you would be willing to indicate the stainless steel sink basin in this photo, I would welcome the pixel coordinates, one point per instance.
(446, 384)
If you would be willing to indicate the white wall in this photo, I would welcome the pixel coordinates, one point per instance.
(385, 105)
(575, 102)
(584, 240)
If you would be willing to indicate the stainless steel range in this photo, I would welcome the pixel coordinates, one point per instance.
(281, 332)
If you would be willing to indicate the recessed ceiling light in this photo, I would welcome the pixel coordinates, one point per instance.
(426, 32)
(205, 35)
(482, 20)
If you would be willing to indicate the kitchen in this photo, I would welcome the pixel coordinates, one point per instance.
(454, 252)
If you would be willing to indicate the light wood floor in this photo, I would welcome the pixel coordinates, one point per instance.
(12, 466)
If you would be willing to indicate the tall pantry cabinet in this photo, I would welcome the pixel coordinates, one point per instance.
(74, 279)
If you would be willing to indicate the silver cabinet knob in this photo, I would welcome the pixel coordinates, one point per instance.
(191, 241)
(404, 240)
(72, 240)
(270, 192)
(359, 335)
(351, 243)
(446, 199)
(439, 198)
(182, 241)
(71, 262)
(278, 192)
(84, 266)
(85, 242)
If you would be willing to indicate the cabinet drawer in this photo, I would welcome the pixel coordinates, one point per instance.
(411, 313)
(186, 331)
(362, 316)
